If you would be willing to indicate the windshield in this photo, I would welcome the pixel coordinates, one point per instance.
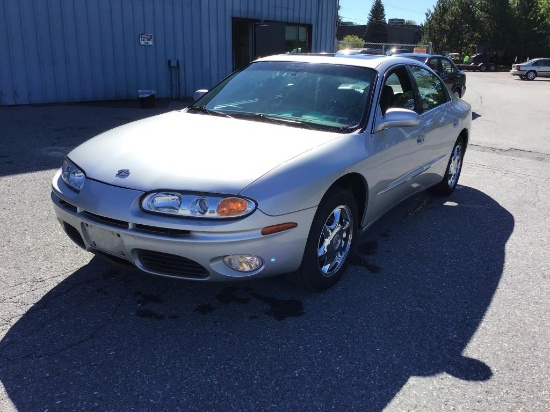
(321, 96)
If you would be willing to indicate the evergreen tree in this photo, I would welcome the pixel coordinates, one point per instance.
(377, 27)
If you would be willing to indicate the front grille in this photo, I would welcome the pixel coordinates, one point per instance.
(74, 234)
(106, 220)
(161, 230)
(170, 265)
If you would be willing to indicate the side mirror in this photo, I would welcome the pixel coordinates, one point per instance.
(198, 94)
(398, 118)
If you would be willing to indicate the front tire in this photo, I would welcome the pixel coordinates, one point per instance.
(531, 75)
(330, 242)
(482, 68)
(452, 173)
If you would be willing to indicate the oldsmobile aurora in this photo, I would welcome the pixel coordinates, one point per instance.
(275, 170)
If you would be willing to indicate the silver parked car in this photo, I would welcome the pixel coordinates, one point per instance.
(530, 69)
(275, 170)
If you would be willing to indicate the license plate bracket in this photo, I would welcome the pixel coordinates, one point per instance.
(103, 239)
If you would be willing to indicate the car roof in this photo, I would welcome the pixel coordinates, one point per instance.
(377, 62)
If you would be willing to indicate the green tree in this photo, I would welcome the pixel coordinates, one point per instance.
(495, 24)
(531, 27)
(377, 27)
(510, 27)
(351, 41)
(452, 26)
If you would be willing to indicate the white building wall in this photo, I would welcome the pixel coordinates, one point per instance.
(81, 50)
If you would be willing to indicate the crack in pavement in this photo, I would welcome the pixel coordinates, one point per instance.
(524, 154)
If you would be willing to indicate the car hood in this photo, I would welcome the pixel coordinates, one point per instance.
(184, 151)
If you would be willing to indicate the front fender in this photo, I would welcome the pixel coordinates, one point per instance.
(301, 183)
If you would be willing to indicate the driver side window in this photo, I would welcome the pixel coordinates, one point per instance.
(397, 91)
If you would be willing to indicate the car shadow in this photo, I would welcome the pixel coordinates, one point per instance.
(38, 137)
(412, 299)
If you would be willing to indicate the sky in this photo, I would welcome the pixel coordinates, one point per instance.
(357, 11)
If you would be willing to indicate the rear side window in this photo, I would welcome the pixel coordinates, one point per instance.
(431, 89)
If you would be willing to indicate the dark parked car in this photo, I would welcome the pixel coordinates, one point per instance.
(454, 78)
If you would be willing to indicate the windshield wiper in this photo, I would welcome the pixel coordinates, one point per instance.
(204, 109)
(273, 119)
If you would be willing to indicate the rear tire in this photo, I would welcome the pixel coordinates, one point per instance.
(492, 67)
(482, 68)
(452, 173)
(530, 75)
(330, 242)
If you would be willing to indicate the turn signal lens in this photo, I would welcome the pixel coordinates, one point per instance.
(232, 206)
(269, 230)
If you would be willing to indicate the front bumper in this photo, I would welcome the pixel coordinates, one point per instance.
(108, 221)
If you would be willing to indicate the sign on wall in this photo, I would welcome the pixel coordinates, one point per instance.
(146, 39)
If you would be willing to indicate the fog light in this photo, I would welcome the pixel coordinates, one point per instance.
(243, 263)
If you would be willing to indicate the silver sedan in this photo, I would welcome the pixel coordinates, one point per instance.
(275, 170)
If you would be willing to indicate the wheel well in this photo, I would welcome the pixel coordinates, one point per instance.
(358, 186)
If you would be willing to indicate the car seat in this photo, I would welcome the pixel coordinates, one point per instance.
(386, 99)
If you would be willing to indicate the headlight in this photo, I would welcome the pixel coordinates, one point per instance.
(72, 175)
(197, 205)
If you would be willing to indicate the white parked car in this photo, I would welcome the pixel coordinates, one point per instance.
(530, 69)
(275, 170)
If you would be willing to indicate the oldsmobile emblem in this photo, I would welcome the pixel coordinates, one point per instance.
(123, 173)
